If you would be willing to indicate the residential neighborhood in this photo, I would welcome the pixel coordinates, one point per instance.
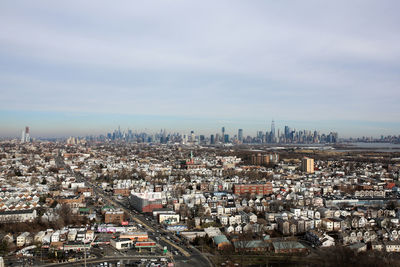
(63, 202)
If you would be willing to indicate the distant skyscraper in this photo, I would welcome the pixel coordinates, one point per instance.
(184, 139)
(212, 140)
(217, 137)
(192, 136)
(25, 135)
(223, 133)
(287, 132)
(226, 138)
(272, 131)
(240, 135)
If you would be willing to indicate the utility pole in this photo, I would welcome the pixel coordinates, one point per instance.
(84, 251)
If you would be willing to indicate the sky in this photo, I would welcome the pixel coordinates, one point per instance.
(86, 67)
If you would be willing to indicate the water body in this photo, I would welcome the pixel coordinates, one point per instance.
(342, 147)
(375, 147)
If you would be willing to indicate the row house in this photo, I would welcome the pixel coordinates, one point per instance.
(370, 193)
(291, 226)
(310, 214)
(378, 246)
(241, 217)
(352, 237)
(237, 229)
(392, 246)
(333, 224)
(393, 234)
(18, 216)
(319, 239)
(240, 228)
(358, 222)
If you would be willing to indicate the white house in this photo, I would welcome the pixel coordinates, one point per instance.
(392, 246)
(224, 220)
(39, 236)
(72, 235)
(21, 239)
(252, 217)
(55, 237)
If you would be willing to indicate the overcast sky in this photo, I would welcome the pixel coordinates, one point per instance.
(77, 67)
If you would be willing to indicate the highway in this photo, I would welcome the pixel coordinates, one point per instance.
(127, 259)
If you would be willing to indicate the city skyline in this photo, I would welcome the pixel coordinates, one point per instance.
(285, 135)
(203, 127)
(69, 69)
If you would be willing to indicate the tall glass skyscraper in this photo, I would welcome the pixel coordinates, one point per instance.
(240, 135)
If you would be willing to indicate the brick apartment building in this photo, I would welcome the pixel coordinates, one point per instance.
(116, 217)
(122, 191)
(76, 201)
(264, 159)
(257, 189)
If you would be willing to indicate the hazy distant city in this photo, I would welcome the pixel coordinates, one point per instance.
(284, 136)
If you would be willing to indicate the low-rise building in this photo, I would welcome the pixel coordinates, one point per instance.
(116, 217)
(13, 216)
(21, 239)
(288, 247)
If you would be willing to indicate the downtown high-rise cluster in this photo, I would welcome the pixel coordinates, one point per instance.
(273, 136)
